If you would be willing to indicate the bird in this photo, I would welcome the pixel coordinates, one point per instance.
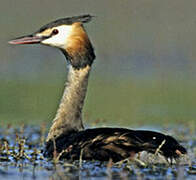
(67, 136)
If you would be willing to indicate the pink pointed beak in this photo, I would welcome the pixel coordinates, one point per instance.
(30, 39)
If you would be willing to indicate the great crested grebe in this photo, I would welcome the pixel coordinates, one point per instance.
(67, 131)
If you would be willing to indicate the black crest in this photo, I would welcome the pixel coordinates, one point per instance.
(68, 21)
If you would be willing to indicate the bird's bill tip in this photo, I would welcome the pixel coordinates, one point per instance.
(26, 40)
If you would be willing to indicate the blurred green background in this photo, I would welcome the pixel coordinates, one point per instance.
(144, 73)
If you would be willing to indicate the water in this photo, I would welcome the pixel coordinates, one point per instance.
(21, 158)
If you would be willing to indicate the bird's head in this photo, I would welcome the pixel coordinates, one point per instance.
(67, 34)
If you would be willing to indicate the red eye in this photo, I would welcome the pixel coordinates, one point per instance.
(55, 31)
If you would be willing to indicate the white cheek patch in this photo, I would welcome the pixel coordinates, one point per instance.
(60, 39)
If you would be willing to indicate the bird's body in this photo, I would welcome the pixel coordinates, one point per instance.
(67, 134)
(112, 143)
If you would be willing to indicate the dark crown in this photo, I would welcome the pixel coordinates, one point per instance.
(67, 21)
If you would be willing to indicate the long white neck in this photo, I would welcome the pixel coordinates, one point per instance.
(69, 114)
